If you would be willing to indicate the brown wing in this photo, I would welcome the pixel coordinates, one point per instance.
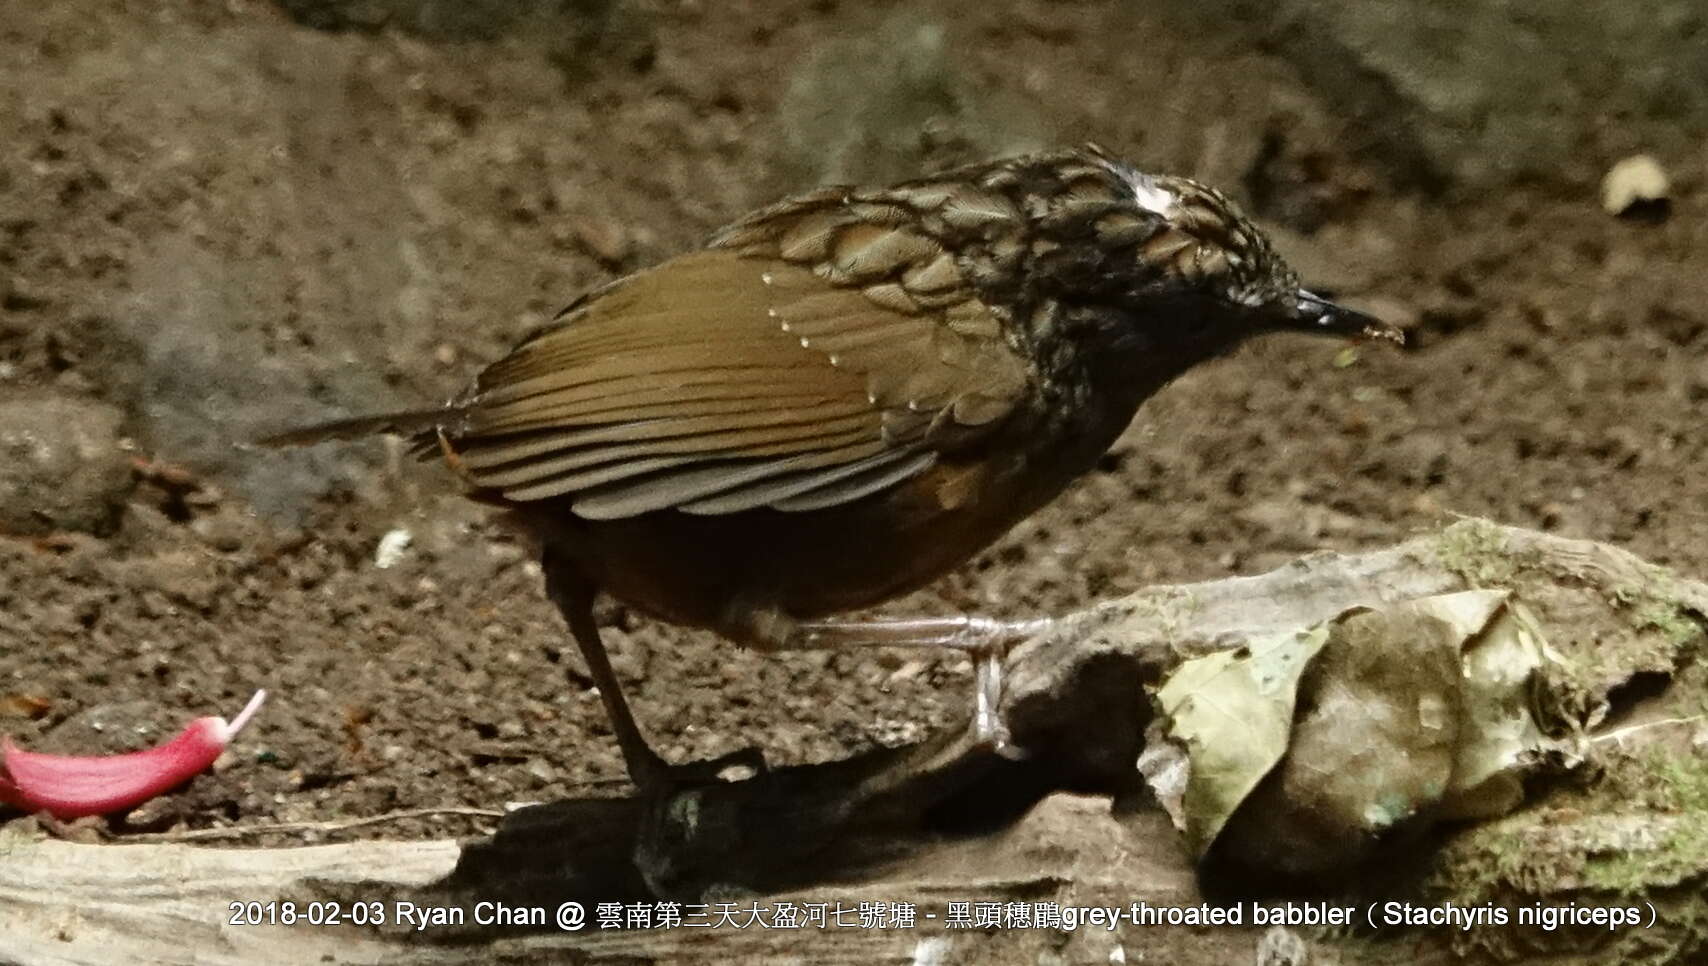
(759, 374)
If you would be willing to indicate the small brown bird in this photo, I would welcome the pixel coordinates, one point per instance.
(846, 394)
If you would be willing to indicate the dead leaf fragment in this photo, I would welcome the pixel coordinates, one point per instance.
(1299, 753)
(1228, 715)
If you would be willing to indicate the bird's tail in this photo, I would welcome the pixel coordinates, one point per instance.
(414, 423)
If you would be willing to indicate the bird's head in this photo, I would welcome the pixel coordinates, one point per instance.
(1208, 251)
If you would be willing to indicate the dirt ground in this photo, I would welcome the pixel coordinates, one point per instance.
(218, 219)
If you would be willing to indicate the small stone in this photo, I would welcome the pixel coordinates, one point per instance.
(391, 548)
(226, 531)
(152, 815)
(604, 237)
(1634, 184)
(61, 466)
(1281, 946)
(907, 672)
(88, 830)
(628, 658)
(737, 773)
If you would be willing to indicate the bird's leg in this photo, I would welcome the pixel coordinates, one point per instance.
(984, 639)
(573, 594)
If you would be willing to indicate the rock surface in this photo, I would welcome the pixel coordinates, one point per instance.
(62, 466)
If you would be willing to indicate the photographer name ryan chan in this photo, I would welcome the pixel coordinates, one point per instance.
(959, 914)
(1022, 915)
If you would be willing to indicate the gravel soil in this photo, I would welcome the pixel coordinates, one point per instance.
(220, 219)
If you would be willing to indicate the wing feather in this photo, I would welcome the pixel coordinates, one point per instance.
(684, 489)
(880, 331)
(664, 358)
(765, 441)
(577, 480)
(641, 388)
(766, 422)
(854, 487)
(555, 413)
(768, 491)
(725, 380)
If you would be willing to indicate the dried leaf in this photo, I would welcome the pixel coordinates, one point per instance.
(1231, 714)
(24, 706)
(1298, 753)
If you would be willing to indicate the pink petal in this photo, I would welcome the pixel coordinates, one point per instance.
(72, 786)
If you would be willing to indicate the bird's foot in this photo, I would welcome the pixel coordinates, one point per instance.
(990, 729)
(985, 639)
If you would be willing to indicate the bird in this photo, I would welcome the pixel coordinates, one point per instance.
(843, 396)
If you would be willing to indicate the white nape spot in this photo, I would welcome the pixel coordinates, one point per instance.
(391, 548)
(1151, 196)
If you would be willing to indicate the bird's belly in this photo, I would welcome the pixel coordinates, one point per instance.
(707, 571)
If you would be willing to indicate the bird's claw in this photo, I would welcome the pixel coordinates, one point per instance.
(989, 729)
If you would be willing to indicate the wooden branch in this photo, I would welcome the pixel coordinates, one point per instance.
(940, 821)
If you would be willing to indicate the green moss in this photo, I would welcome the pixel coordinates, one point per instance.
(1654, 604)
(1476, 551)
(1674, 786)
(1495, 863)
(1652, 848)
(1676, 623)
(1632, 829)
